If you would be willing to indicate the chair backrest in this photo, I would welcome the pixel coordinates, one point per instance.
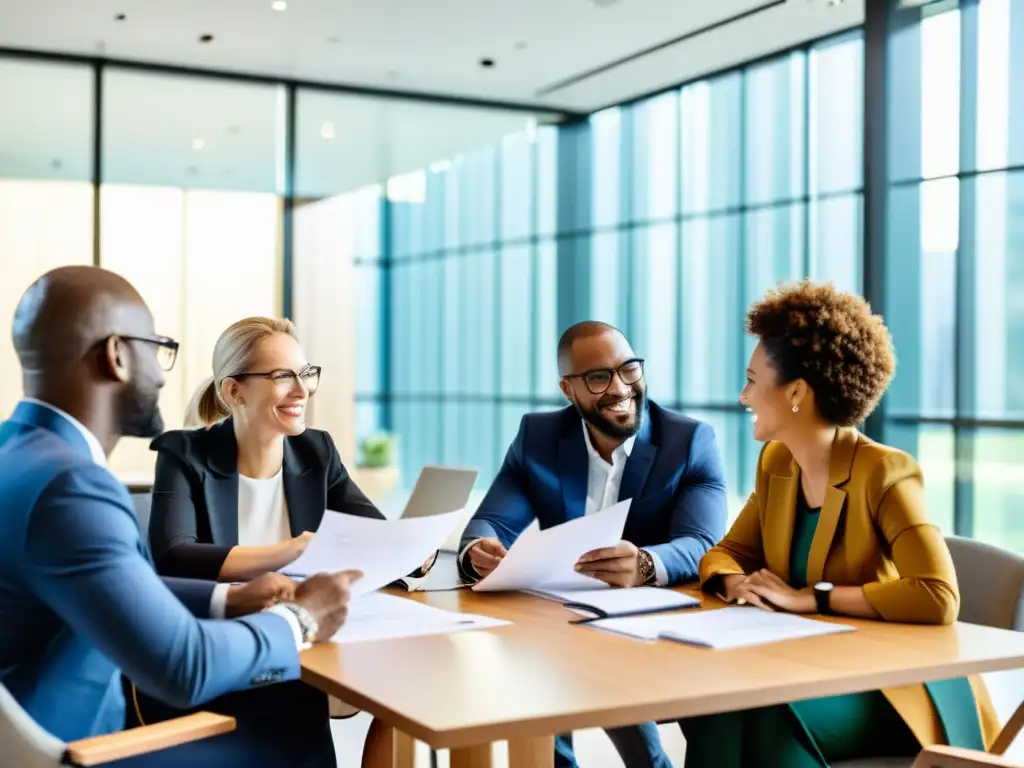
(143, 502)
(25, 744)
(991, 583)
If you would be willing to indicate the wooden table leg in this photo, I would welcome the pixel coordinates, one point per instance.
(532, 753)
(471, 757)
(404, 754)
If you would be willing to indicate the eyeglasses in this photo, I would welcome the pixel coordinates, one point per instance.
(166, 348)
(284, 379)
(599, 379)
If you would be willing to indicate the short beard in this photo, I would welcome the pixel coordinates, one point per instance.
(140, 413)
(606, 427)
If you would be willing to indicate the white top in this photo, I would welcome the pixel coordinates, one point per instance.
(262, 511)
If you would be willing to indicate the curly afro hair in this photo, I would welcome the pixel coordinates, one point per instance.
(831, 340)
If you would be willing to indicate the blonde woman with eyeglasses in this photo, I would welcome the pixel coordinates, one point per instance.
(239, 496)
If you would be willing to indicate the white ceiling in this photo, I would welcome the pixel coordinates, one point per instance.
(172, 129)
(434, 47)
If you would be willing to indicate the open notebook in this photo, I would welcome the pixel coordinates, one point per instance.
(734, 627)
(610, 603)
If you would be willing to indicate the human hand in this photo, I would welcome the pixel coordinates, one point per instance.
(326, 597)
(766, 590)
(294, 547)
(729, 584)
(485, 555)
(618, 566)
(258, 594)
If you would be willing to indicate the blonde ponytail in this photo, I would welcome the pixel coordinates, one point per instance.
(206, 407)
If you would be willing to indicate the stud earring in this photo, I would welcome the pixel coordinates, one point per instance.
(796, 409)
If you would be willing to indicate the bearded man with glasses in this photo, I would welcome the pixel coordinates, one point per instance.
(610, 444)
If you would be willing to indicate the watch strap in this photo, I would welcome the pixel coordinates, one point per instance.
(823, 599)
(648, 573)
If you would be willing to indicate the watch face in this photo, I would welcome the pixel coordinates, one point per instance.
(824, 586)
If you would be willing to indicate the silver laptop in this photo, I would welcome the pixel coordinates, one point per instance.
(439, 490)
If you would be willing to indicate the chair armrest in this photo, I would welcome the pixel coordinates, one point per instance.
(1009, 732)
(955, 757)
(147, 738)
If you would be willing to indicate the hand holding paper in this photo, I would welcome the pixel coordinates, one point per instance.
(548, 558)
(384, 550)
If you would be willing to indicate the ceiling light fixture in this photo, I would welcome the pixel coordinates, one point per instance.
(279, 5)
(327, 130)
(206, 39)
(198, 144)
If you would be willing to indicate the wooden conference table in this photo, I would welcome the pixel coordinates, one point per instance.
(542, 675)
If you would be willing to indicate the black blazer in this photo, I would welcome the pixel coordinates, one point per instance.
(194, 521)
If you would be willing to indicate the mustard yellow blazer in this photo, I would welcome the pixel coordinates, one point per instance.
(872, 531)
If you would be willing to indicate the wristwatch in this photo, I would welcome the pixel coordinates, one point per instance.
(307, 622)
(646, 563)
(823, 597)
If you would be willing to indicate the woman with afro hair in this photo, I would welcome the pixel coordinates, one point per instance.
(836, 524)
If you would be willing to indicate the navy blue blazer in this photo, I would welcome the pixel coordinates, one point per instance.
(194, 519)
(80, 600)
(674, 475)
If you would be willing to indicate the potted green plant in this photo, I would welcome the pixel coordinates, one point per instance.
(377, 469)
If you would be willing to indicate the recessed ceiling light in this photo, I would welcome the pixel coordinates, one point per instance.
(120, 17)
(486, 63)
(327, 130)
(206, 39)
(279, 5)
(333, 40)
(198, 144)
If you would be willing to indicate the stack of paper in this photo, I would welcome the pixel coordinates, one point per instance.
(734, 627)
(384, 550)
(619, 602)
(547, 559)
(387, 617)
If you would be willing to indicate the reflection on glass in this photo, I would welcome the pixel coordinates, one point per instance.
(933, 448)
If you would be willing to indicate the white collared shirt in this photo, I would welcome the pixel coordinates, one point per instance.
(604, 482)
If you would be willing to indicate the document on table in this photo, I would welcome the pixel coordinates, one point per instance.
(610, 603)
(547, 559)
(388, 617)
(734, 627)
(384, 550)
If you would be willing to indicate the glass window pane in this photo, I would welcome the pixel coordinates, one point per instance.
(921, 268)
(712, 322)
(517, 187)
(454, 331)
(932, 446)
(711, 136)
(775, 152)
(185, 131)
(547, 180)
(546, 341)
(835, 154)
(732, 434)
(479, 180)
(654, 330)
(606, 281)
(368, 421)
(998, 302)
(998, 484)
(368, 327)
(479, 319)
(46, 130)
(516, 318)
(940, 94)
(606, 142)
(655, 157)
(837, 241)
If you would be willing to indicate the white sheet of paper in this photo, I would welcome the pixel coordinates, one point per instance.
(384, 550)
(733, 627)
(388, 617)
(547, 559)
(612, 602)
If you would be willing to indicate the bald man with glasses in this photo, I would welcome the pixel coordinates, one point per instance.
(610, 444)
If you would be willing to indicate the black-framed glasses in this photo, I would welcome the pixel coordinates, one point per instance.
(166, 348)
(599, 379)
(284, 379)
